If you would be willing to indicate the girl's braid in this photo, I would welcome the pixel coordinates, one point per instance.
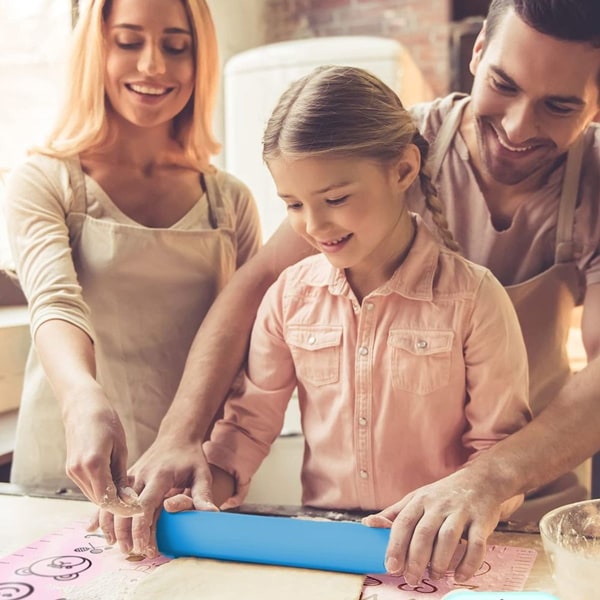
(432, 201)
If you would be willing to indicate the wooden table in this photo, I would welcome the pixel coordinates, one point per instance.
(24, 519)
(540, 578)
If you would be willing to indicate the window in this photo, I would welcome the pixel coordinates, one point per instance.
(33, 41)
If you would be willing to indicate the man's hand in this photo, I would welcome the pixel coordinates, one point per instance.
(428, 524)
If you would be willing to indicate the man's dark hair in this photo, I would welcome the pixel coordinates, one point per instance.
(570, 20)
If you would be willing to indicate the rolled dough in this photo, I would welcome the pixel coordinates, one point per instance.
(202, 579)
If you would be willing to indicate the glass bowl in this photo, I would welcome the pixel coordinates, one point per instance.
(571, 538)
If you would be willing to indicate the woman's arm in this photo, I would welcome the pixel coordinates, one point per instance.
(37, 204)
(95, 440)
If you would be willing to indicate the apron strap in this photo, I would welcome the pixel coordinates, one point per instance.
(217, 211)
(445, 136)
(218, 214)
(568, 201)
(76, 176)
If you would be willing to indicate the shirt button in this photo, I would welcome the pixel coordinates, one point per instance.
(364, 474)
(312, 339)
(363, 351)
(370, 306)
(362, 421)
(422, 344)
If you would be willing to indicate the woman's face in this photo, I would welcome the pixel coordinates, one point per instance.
(149, 60)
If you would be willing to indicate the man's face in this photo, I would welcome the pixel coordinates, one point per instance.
(532, 97)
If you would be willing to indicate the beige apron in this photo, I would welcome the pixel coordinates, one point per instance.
(544, 305)
(148, 290)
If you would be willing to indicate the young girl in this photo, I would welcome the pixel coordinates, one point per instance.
(408, 359)
(123, 234)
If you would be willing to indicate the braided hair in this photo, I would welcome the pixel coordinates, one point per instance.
(432, 200)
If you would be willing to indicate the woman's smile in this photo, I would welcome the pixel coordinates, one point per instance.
(150, 94)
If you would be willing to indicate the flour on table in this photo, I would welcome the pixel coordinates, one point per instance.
(186, 578)
(109, 586)
(322, 519)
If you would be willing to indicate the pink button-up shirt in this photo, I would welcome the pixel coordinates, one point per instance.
(394, 393)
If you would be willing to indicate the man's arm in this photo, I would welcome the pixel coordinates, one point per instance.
(175, 460)
(220, 346)
(468, 503)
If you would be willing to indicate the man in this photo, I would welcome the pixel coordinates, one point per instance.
(517, 165)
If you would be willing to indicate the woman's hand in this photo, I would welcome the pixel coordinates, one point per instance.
(97, 452)
(95, 441)
(428, 525)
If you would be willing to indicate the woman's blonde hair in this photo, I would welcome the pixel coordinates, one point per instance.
(82, 123)
(347, 111)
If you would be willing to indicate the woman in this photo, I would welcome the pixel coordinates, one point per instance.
(123, 234)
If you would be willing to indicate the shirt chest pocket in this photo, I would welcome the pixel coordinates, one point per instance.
(316, 350)
(421, 359)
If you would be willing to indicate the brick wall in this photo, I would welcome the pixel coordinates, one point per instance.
(422, 26)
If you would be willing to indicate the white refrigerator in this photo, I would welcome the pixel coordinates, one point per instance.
(255, 79)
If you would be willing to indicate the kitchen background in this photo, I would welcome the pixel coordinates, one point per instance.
(431, 55)
(436, 34)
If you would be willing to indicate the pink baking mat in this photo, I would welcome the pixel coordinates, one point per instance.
(73, 564)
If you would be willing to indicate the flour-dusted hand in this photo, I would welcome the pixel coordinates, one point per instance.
(97, 454)
(428, 524)
(172, 465)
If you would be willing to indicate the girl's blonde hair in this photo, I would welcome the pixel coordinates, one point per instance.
(82, 123)
(347, 111)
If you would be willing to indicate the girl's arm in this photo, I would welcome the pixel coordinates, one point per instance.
(93, 431)
(253, 417)
(497, 376)
(223, 487)
(563, 435)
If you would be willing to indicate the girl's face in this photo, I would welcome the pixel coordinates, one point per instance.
(350, 209)
(149, 60)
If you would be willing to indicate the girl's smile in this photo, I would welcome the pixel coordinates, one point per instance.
(334, 245)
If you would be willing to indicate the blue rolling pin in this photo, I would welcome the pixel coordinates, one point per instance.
(285, 541)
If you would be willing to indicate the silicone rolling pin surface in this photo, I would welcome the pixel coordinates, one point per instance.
(324, 545)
